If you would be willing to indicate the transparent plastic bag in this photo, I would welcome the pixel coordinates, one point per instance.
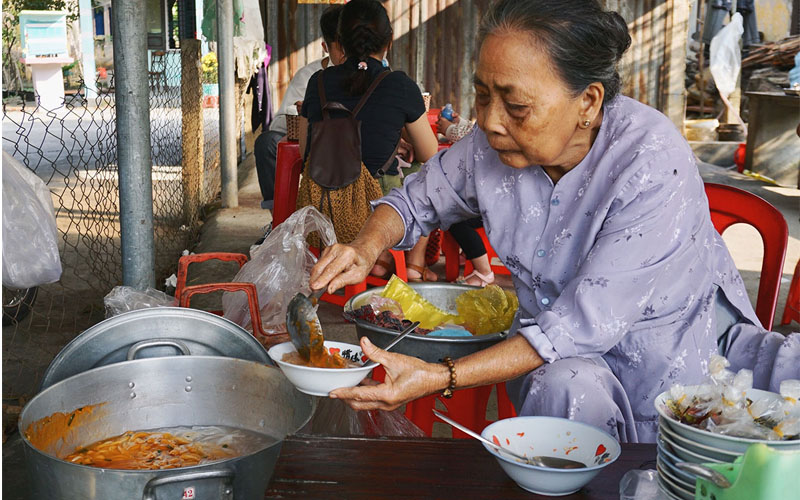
(126, 298)
(640, 485)
(726, 62)
(30, 234)
(335, 418)
(280, 267)
(726, 57)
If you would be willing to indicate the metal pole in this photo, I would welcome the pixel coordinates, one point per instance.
(133, 144)
(87, 50)
(227, 104)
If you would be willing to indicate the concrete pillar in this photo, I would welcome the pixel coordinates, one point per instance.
(227, 104)
(133, 144)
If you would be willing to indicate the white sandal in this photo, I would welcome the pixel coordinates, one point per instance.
(486, 279)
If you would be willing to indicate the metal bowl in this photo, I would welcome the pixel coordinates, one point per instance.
(431, 349)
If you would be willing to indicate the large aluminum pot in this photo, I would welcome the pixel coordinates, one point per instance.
(165, 392)
(427, 348)
(108, 342)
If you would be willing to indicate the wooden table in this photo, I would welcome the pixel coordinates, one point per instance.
(335, 467)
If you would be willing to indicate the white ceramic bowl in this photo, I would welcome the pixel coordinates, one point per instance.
(720, 441)
(321, 381)
(552, 437)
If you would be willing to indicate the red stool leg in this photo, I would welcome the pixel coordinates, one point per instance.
(451, 251)
(505, 408)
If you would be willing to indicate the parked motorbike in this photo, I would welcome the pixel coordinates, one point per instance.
(30, 239)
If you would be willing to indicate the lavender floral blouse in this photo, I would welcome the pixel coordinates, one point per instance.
(619, 259)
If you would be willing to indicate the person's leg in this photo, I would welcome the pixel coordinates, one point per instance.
(579, 389)
(415, 263)
(471, 243)
(265, 150)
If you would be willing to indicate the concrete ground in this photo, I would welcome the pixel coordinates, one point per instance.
(235, 229)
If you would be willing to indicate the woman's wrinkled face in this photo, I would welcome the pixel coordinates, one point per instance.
(527, 112)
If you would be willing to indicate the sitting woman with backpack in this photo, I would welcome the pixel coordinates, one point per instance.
(352, 119)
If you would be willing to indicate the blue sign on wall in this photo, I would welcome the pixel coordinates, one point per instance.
(44, 33)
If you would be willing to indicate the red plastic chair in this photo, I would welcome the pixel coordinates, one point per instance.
(730, 205)
(791, 310)
(452, 266)
(288, 166)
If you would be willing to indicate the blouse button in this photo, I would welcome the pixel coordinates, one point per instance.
(545, 300)
(541, 253)
(554, 201)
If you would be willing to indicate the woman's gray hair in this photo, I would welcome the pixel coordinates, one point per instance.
(583, 41)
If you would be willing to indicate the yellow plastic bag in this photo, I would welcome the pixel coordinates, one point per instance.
(415, 307)
(487, 310)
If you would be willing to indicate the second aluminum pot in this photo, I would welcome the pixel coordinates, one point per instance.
(107, 342)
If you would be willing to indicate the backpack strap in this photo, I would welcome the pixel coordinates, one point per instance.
(385, 167)
(369, 91)
(322, 99)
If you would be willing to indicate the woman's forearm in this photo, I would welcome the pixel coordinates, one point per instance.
(503, 361)
(383, 230)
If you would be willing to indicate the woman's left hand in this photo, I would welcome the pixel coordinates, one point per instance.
(407, 378)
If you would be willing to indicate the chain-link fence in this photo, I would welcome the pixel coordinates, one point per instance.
(73, 149)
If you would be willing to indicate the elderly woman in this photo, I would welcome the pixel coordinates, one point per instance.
(594, 203)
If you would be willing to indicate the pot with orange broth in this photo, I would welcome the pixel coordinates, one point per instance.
(176, 427)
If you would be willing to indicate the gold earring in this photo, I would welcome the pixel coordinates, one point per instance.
(586, 123)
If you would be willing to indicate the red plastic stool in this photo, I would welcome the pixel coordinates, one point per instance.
(186, 260)
(791, 310)
(252, 302)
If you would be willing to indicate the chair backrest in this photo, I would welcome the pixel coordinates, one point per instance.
(288, 166)
(730, 205)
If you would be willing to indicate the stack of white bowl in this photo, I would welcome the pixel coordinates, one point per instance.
(679, 442)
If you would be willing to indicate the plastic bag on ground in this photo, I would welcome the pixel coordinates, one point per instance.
(126, 298)
(30, 234)
(334, 418)
(280, 267)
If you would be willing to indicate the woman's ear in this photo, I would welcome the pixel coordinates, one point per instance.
(592, 101)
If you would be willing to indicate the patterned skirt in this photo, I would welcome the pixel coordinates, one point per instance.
(348, 207)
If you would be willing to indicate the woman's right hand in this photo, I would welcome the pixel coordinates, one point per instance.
(342, 265)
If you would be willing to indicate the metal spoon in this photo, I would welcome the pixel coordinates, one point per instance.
(410, 328)
(539, 461)
(705, 472)
(299, 313)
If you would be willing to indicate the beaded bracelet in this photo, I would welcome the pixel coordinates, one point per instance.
(448, 393)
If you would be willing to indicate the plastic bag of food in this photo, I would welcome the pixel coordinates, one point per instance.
(415, 307)
(30, 234)
(335, 418)
(486, 310)
(127, 298)
(280, 267)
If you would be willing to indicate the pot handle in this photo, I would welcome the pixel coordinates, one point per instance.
(226, 475)
(144, 344)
